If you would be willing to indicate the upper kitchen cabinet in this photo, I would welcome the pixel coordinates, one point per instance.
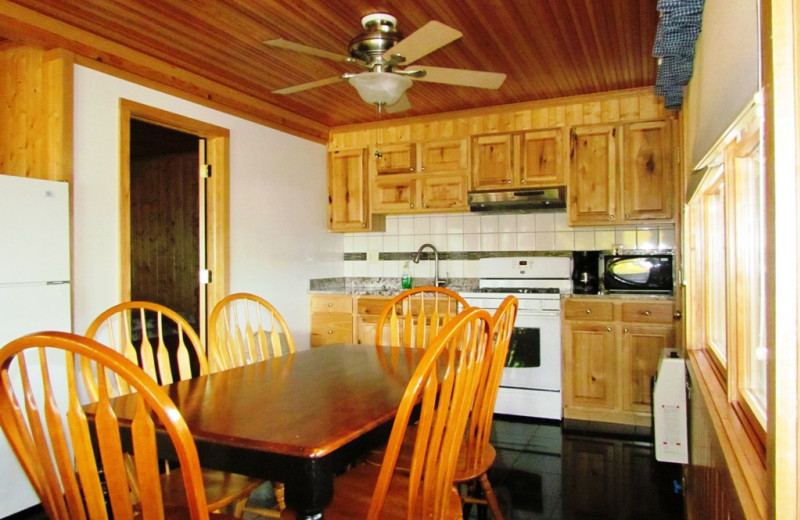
(518, 160)
(420, 177)
(348, 193)
(621, 173)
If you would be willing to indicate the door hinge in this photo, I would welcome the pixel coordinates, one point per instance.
(205, 171)
(205, 276)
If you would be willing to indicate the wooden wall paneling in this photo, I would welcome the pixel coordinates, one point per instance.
(610, 111)
(58, 87)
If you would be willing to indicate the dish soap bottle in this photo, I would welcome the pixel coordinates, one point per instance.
(405, 280)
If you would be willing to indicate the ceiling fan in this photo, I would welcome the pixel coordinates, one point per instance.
(380, 50)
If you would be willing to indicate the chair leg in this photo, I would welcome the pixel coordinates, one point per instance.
(488, 493)
(279, 491)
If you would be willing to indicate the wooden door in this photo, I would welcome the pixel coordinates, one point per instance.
(641, 350)
(541, 159)
(647, 179)
(593, 173)
(395, 193)
(589, 365)
(445, 192)
(348, 205)
(396, 158)
(444, 156)
(492, 161)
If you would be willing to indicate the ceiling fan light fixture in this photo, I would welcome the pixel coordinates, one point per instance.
(380, 88)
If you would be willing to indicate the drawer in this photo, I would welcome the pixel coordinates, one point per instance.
(332, 303)
(330, 328)
(588, 310)
(647, 312)
(372, 305)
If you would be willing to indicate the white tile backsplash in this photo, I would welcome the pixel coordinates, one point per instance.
(487, 233)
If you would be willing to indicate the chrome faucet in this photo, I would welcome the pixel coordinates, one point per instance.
(436, 281)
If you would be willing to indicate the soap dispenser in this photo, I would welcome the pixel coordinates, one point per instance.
(405, 279)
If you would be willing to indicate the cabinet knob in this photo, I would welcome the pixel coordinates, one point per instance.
(411, 169)
(330, 304)
(330, 332)
(424, 205)
(627, 215)
(611, 217)
(608, 329)
(646, 313)
(422, 168)
(588, 311)
(625, 330)
(522, 181)
(677, 315)
(411, 205)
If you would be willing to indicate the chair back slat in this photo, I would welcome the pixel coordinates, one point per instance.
(424, 311)
(64, 451)
(443, 387)
(244, 328)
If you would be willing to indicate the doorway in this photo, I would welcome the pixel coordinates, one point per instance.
(174, 220)
(165, 208)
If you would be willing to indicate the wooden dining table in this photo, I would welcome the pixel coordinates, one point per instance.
(299, 419)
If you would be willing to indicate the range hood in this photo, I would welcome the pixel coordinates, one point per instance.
(518, 201)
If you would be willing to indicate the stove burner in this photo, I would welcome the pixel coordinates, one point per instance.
(520, 290)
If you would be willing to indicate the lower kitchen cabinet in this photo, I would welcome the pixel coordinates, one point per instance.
(345, 318)
(611, 350)
(331, 319)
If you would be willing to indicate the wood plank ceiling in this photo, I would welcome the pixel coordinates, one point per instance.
(547, 48)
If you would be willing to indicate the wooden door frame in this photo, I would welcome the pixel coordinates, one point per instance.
(217, 195)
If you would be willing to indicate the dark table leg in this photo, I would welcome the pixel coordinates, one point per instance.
(309, 488)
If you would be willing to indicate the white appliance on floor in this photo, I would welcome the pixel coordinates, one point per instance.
(34, 289)
(670, 409)
(531, 382)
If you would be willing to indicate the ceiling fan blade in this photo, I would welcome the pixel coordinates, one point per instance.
(307, 86)
(299, 47)
(423, 41)
(461, 77)
(400, 105)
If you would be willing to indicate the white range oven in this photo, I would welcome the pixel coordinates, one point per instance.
(531, 382)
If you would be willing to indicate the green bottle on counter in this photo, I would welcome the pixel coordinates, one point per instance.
(405, 280)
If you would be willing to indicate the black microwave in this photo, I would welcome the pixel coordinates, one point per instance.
(638, 273)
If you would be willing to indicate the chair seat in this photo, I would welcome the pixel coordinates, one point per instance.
(353, 494)
(222, 488)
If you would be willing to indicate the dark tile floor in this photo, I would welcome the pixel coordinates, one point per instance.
(543, 472)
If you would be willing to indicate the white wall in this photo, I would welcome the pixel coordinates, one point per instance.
(726, 72)
(278, 203)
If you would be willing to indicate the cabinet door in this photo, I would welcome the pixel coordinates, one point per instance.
(396, 158)
(329, 328)
(647, 177)
(444, 156)
(589, 365)
(348, 203)
(541, 163)
(395, 194)
(493, 161)
(444, 192)
(593, 172)
(641, 349)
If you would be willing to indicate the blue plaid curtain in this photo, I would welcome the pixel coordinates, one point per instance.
(676, 35)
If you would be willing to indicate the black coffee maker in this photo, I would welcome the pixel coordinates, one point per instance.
(586, 272)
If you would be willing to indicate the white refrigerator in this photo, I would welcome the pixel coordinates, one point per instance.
(34, 289)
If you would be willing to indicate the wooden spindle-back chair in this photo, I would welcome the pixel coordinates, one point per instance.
(77, 466)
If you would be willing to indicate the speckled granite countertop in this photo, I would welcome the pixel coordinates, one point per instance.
(381, 286)
(621, 296)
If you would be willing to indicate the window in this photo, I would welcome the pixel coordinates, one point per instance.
(725, 265)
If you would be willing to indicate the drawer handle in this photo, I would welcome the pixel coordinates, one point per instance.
(646, 313)
(588, 311)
